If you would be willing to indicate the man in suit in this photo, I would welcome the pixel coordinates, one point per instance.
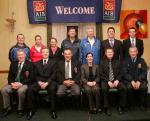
(68, 76)
(135, 74)
(45, 80)
(19, 77)
(132, 41)
(113, 43)
(110, 74)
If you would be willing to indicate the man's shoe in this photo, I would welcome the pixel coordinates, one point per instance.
(99, 110)
(120, 110)
(5, 112)
(29, 115)
(108, 112)
(20, 113)
(53, 115)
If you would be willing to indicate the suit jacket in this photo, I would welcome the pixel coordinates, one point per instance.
(104, 70)
(135, 70)
(45, 73)
(61, 71)
(57, 56)
(127, 45)
(26, 76)
(85, 73)
(118, 49)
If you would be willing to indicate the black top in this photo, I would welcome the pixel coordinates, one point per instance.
(91, 77)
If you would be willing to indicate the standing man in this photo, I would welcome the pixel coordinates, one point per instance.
(113, 43)
(72, 41)
(110, 74)
(19, 77)
(135, 74)
(68, 77)
(90, 44)
(132, 41)
(20, 45)
(45, 80)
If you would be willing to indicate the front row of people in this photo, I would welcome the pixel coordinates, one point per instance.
(63, 78)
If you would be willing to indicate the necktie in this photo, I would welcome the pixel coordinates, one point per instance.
(132, 43)
(111, 74)
(44, 63)
(67, 70)
(18, 73)
(111, 43)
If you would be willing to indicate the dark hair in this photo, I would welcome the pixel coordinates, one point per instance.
(89, 53)
(37, 36)
(20, 34)
(109, 48)
(67, 49)
(132, 28)
(110, 28)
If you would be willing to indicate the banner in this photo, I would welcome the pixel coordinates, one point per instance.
(56, 11)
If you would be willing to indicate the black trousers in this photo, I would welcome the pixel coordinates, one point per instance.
(122, 92)
(141, 94)
(93, 94)
(32, 94)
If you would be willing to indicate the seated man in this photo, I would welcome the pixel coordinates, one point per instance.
(20, 75)
(45, 80)
(110, 74)
(135, 73)
(68, 76)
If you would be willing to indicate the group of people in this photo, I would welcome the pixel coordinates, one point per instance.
(91, 64)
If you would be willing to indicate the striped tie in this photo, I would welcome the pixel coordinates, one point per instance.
(111, 74)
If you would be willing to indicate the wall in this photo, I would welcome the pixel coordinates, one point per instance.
(22, 25)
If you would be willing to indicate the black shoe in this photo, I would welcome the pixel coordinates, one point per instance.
(142, 108)
(99, 110)
(5, 112)
(29, 115)
(20, 113)
(53, 115)
(108, 112)
(120, 110)
(93, 111)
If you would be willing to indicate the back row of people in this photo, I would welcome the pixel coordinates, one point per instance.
(80, 48)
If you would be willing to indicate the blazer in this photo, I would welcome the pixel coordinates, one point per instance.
(85, 73)
(135, 70)
(61, 71)
(104, 70)
(127, 45)
(26, 76)
(45, 73)
(57, 56)
(118, 49)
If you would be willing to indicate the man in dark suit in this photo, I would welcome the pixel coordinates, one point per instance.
(19, 77)
(110, 74)
(113, 43)
(68, 76)
(45, 80)
(135, 74)
(132, 41)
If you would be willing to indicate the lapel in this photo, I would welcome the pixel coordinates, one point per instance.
(93, 70)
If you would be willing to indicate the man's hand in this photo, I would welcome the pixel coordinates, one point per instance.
(138, 83)
(16, 85)
(133, 84)
(44, 85)
(111, 85)
(116, 82)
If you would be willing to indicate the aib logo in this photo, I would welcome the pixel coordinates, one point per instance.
(109, 9)
(39, 10)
